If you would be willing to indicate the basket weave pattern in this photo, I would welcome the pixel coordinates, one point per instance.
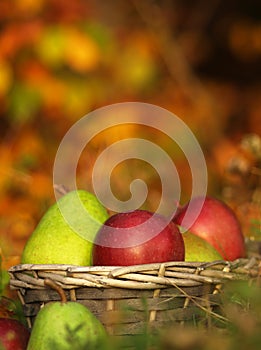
(127, 298)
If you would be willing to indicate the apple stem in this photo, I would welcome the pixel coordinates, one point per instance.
(50, 283)
(178, 206)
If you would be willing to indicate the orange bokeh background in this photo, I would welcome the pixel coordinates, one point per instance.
(60, 60)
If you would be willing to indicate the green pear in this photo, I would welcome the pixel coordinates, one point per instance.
(66, 325)
(198, 249)
(66, 232)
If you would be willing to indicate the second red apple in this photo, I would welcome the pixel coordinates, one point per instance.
(217, 224)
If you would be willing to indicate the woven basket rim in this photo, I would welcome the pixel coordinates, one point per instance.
(144, 276)
(138, 267)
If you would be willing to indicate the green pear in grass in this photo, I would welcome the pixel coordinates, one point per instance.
(66, 325)
(65, 233)
(198, 249)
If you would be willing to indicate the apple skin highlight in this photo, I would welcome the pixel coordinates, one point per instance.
(159, 240)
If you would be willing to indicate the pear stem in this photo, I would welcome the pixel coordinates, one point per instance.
(50, 283)
(61, 189)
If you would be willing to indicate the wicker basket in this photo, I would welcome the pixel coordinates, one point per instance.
(126, 299)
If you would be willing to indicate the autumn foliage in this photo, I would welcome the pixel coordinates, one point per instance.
(60, 60)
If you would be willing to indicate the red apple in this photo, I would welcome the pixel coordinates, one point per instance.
(216, 223)
(13, 334)
(137, 237)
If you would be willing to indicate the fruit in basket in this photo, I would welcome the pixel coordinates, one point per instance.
(13, 334)
(137, 237)
(217, 224)
(198, 249)
(66, 325)
(65, 233)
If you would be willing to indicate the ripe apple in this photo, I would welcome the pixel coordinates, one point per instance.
(137, 237)
(216, 223)
(13, 334)
(198, 249)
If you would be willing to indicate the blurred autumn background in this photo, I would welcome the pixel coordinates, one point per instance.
(60, 60)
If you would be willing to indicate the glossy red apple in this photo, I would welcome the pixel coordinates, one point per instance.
(137, 237)
(13, 334)
(217, 224)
